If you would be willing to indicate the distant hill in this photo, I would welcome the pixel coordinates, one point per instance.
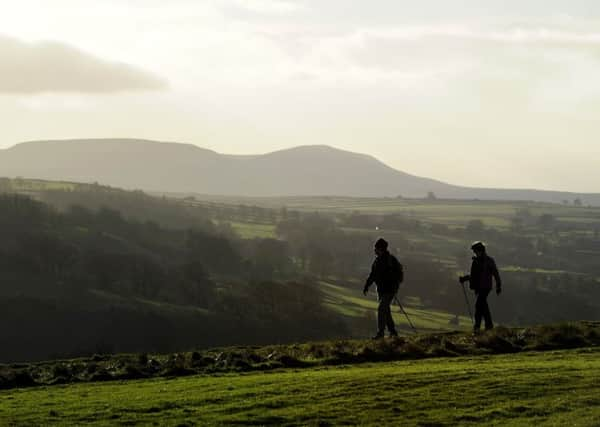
(172, 167)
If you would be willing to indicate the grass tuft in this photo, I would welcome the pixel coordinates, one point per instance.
(298, 356)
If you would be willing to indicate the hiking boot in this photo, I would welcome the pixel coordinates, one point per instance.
(393, 334)
(378, 336)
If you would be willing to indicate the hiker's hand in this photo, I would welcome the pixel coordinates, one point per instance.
(498, 291)
(462, 279)
(365, 290)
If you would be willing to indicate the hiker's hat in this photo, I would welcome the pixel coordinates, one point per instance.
(381, 244)
(478, 246)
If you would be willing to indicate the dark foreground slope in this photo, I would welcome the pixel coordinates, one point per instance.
(185, 168)
(548, 388)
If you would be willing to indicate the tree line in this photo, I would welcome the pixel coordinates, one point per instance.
(82, 281)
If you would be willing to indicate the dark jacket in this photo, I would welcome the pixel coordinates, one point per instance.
(385, 272)
(483, 269)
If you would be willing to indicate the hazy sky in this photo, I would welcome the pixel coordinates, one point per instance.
(483, 92)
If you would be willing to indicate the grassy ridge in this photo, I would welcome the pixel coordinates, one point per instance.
(547, 389)
(296, 356)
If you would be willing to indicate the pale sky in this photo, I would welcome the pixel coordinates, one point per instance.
(493, 93)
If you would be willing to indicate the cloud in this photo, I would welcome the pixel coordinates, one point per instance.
(268, 7)
(451, 57)
(426, 47)
(302, 76)
(50, 67)
(252, 10)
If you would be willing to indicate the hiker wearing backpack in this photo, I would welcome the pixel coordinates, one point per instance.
(483, 269)
(387, 274)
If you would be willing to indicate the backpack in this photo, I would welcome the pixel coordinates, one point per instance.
(397, 269)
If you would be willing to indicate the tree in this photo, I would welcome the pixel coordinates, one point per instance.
(283, 213)
(475, 227)
(271, 256)
(216, 253)
(516, 223)
(547, 221)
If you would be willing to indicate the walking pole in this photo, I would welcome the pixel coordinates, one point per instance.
(407, 318)
(468, 304)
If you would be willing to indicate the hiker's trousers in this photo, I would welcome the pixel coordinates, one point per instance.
(384, 312)
(482, 310)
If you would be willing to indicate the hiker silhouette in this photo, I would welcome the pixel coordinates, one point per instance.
(386, 273)
(483, 269)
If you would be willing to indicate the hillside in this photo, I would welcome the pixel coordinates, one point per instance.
(185, 168)
(91, 257)
(329, 383)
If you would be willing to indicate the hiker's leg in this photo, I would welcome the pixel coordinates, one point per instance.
(380, 319)
(390, 319)
(478, 311)
(487, 315)
(384, 313)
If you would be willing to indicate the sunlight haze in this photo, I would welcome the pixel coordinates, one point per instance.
(496, 93)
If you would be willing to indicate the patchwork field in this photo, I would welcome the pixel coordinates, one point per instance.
(495, 214)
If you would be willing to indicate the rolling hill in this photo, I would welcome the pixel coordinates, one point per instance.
(172, 167)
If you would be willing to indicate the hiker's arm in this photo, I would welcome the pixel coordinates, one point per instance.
(370, 280)
(496, 275)
(467, 277)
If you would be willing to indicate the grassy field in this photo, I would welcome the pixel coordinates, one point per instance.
(34, 185)
(453, 213)
(538, 388)
(351, 302)
(449, 212)
(247, 230)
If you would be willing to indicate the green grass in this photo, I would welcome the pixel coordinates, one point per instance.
(34, 185)
(351, 302)
(546, 389)
(248, 230)
(517, 269)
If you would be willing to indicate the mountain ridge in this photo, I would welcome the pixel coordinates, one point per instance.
(307, 170)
